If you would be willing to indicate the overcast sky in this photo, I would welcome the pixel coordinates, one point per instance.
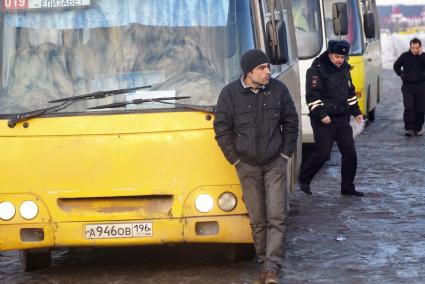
(405, 2)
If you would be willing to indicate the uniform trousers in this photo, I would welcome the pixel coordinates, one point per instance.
(338, 130)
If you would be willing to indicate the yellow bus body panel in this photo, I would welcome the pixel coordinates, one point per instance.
(358, 76)
(121, 168)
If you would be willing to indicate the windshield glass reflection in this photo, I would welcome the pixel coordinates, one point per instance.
(178, 47)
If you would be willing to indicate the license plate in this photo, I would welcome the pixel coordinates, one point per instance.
(118, 230)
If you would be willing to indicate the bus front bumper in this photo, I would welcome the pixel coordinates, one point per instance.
(213, 229)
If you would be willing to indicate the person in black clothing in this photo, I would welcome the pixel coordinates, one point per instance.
(331, 100)
(410, 66)
(256, 127)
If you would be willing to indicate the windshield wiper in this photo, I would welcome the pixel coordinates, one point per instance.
(65, 102)
(99, 94)
(203, 108)
(35, 113)
(164, 100)
(137, 101)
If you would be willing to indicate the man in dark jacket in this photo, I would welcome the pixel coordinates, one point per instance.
(410, 66)
(256, 127)
(331, 100)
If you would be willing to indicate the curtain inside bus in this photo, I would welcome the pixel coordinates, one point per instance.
(112, 13)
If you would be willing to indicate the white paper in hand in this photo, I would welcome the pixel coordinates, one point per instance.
(357, 127)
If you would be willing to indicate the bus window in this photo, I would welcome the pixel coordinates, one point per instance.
(377, 25)
(368, 7)
(285, 17)
(281, 14)
(354, 36)
(176, 47)
(308, 29)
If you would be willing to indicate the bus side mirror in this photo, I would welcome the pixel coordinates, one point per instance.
(340, 18)
(277, 43)
(231, 30)
(231, 40)
(369, 25)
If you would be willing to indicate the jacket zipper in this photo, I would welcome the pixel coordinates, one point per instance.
(259, 120)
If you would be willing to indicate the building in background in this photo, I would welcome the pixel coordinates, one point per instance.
(402, 18)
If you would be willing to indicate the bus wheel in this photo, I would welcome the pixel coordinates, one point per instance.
(238, 252)
(371, 115)
(35, 259)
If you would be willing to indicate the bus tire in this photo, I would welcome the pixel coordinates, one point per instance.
(34, 259)
(240, 252)
(371, 115)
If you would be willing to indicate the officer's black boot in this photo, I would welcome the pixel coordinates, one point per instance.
(352, 192)
(305, 187)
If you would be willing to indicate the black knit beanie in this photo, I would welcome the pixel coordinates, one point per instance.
(252, 58)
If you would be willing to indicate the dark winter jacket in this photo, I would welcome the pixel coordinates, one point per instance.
(329, 89)
(411, 68)
(256, 128)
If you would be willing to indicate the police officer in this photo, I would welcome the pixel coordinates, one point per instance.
(331, 100)
(410, 66)
(256, 127)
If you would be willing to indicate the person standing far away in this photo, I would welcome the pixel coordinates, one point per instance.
(410, 66)
(331, 100)
(300, 14)
(256, 127)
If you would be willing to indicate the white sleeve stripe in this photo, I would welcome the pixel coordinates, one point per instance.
(313, 107)
(315, 102)
(352, 99)
(352, 103)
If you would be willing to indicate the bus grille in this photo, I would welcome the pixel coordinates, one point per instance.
(146, 206)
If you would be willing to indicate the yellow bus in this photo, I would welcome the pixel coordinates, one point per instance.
(106, 120)
(316, 22)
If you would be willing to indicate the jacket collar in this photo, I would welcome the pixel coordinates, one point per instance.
(247, 89)
(324, 60)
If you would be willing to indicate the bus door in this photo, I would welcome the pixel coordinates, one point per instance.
(355, 37)
(307, 20)
(287, 70)
(373, 60)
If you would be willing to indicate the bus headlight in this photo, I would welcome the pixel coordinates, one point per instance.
(7, 210)
(227, 201)
(204, 203)
(28, 210)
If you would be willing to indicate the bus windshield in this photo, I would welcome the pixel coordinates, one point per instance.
(308, 28)
(354, 36)
(177, 47)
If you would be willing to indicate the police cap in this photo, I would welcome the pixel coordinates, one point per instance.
(341, 47)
